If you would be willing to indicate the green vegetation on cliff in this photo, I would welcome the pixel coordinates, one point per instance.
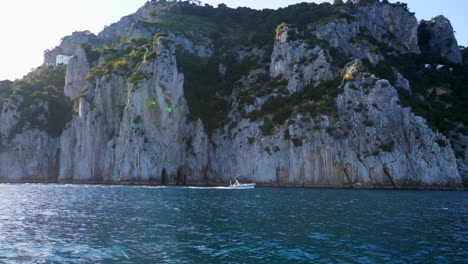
(123, 60)
(438, 95)
(231, 31)
(310, 103)
(40, 100)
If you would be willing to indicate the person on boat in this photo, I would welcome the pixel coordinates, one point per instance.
(237, 183)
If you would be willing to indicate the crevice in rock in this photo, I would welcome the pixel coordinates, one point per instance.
(205, 173)
(389, 177)
(282, 176)
(350, 182)
(55, 167)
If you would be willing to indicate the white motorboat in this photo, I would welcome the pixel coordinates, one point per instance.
(238, 185)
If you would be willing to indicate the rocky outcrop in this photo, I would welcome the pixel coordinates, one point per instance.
(402, 82)
(375, 142)
(136, 131)
(442, 39)
(463, 169)
(300, 63)
(10, 116)
(390, 140)
(393, 27)
(27, 151)
(77, 73)
(69, 45)
(201, 51)
(50, 56)
(134, 25)
(459, 143)
(31, 156)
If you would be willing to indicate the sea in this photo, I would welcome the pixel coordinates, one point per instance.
(53, 223)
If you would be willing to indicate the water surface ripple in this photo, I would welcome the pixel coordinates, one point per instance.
(121, 224)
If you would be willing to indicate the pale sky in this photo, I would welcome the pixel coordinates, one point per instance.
(28, 27)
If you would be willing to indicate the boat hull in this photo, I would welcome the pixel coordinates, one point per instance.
(242, 187)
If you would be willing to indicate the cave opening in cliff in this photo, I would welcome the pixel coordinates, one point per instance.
(181, 178)
(164, 177)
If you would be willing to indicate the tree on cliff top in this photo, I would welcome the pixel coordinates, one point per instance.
(338, 2)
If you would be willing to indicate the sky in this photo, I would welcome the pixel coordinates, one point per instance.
(28, 27)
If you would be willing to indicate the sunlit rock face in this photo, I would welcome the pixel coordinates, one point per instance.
(68, 46)
(300, 63)
(135, 132)
(135, 124)
(33, 156)
(76, 75)
(376, 142)
(390, 25)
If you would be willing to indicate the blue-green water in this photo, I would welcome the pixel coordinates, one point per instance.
(119, 224)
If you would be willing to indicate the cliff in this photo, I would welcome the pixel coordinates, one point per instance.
(437, 35)
(314, 95)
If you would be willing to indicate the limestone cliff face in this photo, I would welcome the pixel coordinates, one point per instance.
(135, 125)
(68, 46)
(133, 26)
(300, 63)
(10, 116)
(391, 142)
(459, 142)
(390, 25)
(442, 39)
(77, 74)
(28, 155)
(135, 132)
(375, 142)
(33, 156)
